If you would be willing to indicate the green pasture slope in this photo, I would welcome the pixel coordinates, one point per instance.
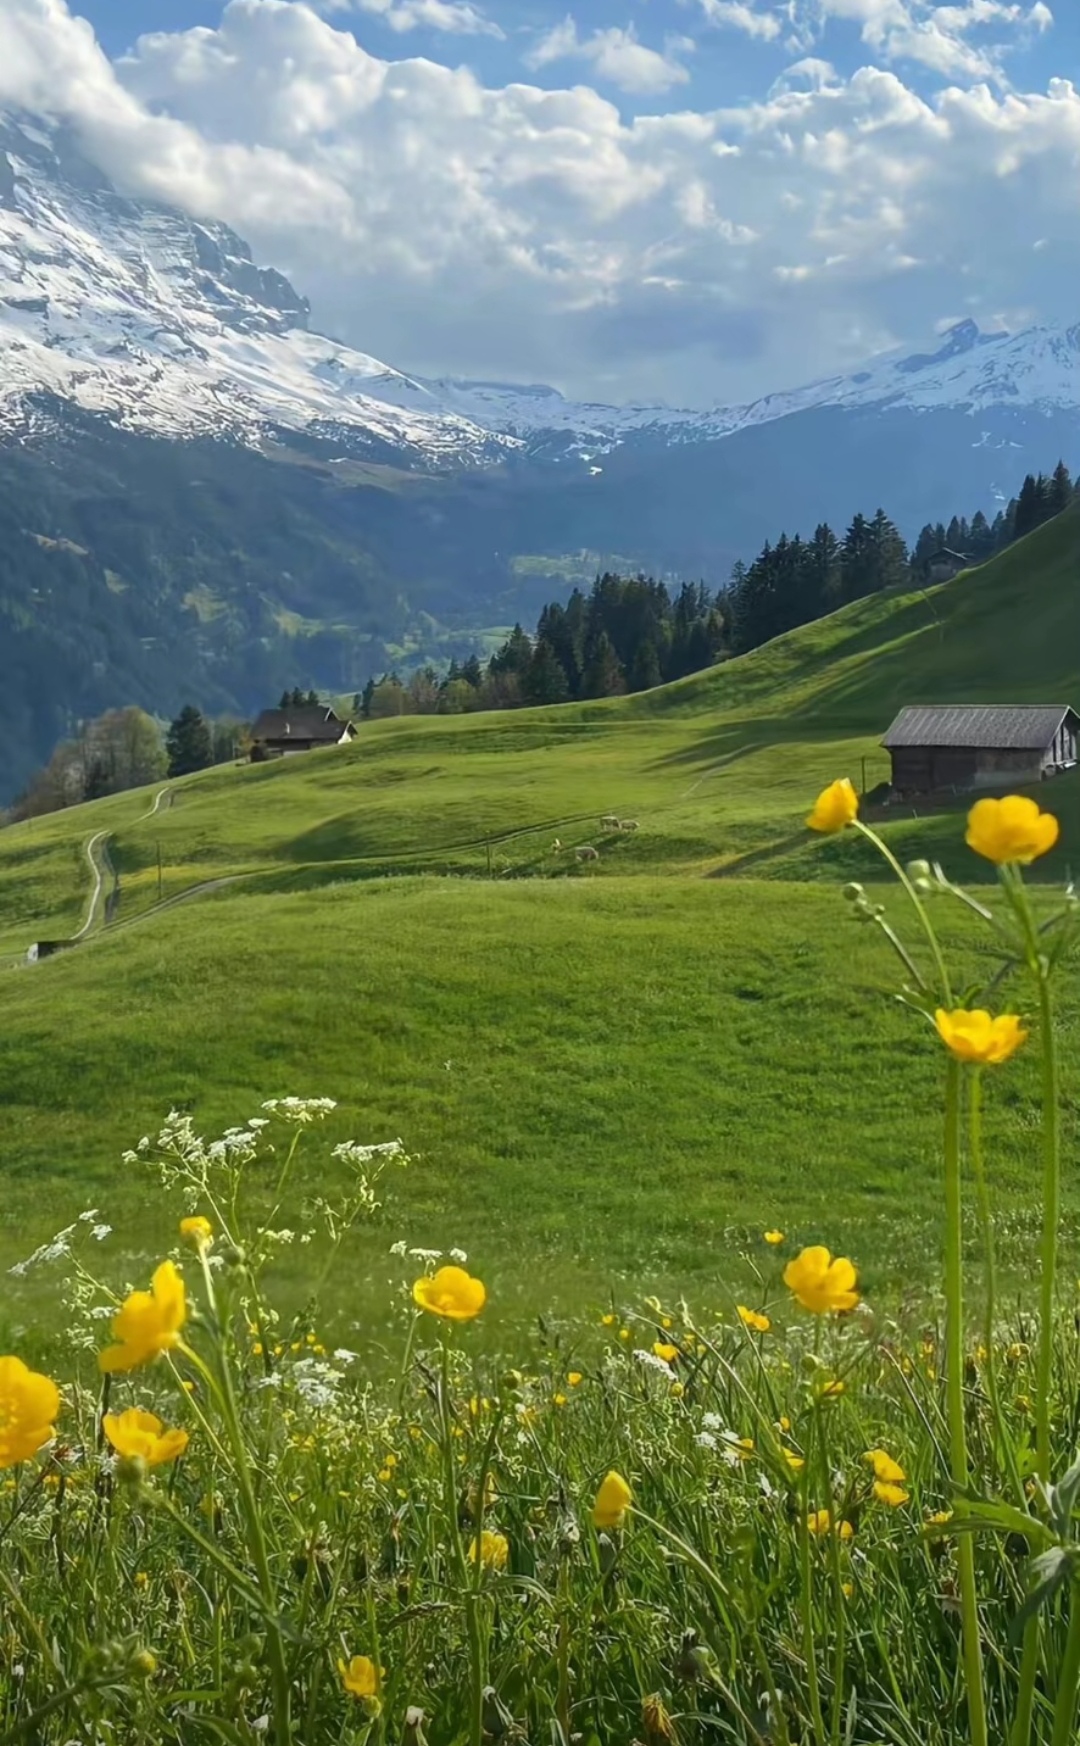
(611, 1072)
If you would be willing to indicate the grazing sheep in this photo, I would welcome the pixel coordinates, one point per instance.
(628, 824)
(609, 822)
(587, 853)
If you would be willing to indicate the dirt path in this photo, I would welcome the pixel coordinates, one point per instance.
(99, 864)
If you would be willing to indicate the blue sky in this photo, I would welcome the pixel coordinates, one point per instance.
(697, 201)
(726, 65)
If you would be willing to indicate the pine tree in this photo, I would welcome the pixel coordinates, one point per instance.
(365, 699)
(188, 743)
(890, 553)
(1029, 505)
(645, 670)
(545, 679)
(603, 674)
(1061, 489)
(857, 560)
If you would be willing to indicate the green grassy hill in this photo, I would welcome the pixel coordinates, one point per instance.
(685, 1039)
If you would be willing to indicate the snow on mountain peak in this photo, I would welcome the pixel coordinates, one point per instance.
(165, 324)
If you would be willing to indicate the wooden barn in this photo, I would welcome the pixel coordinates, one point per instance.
(975, 745)
(301, 728)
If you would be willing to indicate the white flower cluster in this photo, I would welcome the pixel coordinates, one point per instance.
(58, 1247)
(652, 1362)
(301, 1110)
(388, 1152)
(315, 1382)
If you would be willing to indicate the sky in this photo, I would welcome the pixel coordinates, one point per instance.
(688, 201)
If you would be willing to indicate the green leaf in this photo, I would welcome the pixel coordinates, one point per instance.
(1053, 1570)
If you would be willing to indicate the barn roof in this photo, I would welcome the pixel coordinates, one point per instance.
(307, 722)
(997, 727)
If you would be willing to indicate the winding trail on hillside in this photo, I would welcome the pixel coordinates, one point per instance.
(96, 850)
(97, 855)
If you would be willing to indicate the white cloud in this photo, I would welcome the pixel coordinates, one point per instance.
(738, 15)
(934, 36)
(450, 226)
(456, 17)
(615, 55)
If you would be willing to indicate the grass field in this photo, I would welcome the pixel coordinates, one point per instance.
(606, 1071)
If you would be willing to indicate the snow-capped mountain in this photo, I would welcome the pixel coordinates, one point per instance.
(133, 311)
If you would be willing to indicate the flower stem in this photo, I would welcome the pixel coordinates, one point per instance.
(920, 908)
(1068, 1679)
(986, 1226)
(472, 1620)
(249, 1505)
(954, 1366)
(1051, 1147)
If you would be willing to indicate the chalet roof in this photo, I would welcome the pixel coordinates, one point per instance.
(997, 727)
(308, 722)
(947, 552)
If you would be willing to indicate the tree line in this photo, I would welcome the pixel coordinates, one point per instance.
(126, 748)
(626, 634)
(630, 633)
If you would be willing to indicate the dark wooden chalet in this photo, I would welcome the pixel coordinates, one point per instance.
(975, 745)
(279, 732)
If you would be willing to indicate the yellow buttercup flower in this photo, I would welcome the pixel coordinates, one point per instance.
(612, 1502)
(893, 1495)
(493, 1550)
(885, 1468)
(977, 1037)
(361, 1677)
(752, 1319)
(795, 1462)
(774, 1238)
(820, 1283)
(608, 1321)
(197, 1231)
(835, 807)
(820, 1521)
(143, 1434)
(662, 1349)
(149, 1322)
(833, 1389)
(452, 1293)
(29, 1404)
(573, 1377)
(1009, 831)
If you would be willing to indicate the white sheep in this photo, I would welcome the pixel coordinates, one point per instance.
(587, 853)
(609, 822)
(628, 824)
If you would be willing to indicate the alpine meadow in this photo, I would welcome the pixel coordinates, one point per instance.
(490, 1256)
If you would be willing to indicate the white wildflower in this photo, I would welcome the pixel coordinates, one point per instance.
(712, 1421)
(344, 1356)
(459, 1256)
(100, 1232)
(301, 1110)
(705, 1440)
(88, 1217)
(316, 1383)
(652, 1361)
(425, 1255)
(53, 1250)
(399, 1248)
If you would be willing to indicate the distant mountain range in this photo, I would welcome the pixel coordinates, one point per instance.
(200, 496)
